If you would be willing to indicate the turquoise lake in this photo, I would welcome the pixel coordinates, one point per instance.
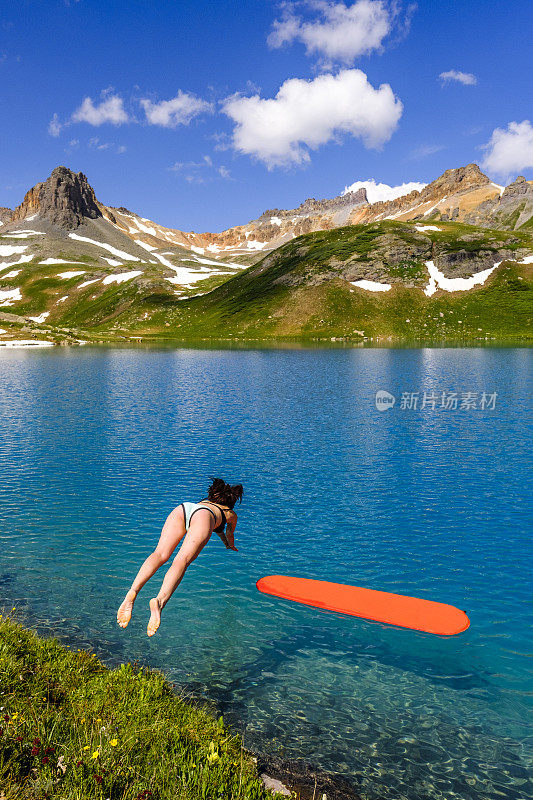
(97, 445)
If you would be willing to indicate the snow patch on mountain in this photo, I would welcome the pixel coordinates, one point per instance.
(65, 276)
(372, 286)
(23, 234)
(438, 280)
(41, 318)
(9, 297)
(26, 343)
(22, 260)
(112, 261)
(12, 249)
(113, 250)
(148, 247)
(122, 276)
(87, 283)
(58, 261)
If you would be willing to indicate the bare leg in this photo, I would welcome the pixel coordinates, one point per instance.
(172, 533)
(197, 537)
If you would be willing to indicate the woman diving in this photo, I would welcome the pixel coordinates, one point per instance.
(196, 522)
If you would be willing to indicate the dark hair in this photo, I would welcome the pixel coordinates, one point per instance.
(221, 492)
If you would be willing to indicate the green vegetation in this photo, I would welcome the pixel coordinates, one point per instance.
(304, 290)
(301, 291)
(71, 728)
(410, 269)
(454, 236)
(511, 219)
(526, 225)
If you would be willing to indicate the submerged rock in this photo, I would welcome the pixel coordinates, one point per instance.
(308, 782)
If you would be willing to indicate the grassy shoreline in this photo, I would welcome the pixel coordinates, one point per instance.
(72, 728)
(271, 342)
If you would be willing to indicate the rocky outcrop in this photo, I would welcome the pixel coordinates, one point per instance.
(107, 213)
(451, 183)
(516, 201)
(455, 180)
(507, 211)
(5, 214)
(378, 253)
(122, 209)
(518, 188)
(306, 781)
(66, 199)
(312, 207)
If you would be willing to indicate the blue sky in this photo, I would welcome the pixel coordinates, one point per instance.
(87, 83)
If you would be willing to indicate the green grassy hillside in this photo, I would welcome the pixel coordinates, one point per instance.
(305, 290)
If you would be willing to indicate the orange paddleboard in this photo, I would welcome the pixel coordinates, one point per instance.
(393, 609)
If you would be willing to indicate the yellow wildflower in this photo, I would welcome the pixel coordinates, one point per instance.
(99, 719)
(95, 754)
(113, 742)
(86, 747)
(82, 719)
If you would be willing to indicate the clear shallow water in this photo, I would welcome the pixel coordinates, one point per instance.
(98, 445)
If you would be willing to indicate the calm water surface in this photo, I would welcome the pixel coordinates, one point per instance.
(98, 445)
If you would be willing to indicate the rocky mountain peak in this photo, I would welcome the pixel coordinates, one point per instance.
(457, 180)
(518, 187)
(360, 196)
(66, 198)
(452, 183)
(313, 207)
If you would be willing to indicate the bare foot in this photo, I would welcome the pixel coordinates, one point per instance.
(124, 612)
(155, 616)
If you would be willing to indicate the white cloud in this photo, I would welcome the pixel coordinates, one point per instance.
(510, 150)
(466, 78)
(306, 114)
(95, 144)
(180, 110)
(426, 150)
(72, 145)
(111, 109)
(200, 171)
(377, 192)
(54, 126)
(339, 32)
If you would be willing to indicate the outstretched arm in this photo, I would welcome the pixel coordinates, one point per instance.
(224, 539)
(228, 537)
